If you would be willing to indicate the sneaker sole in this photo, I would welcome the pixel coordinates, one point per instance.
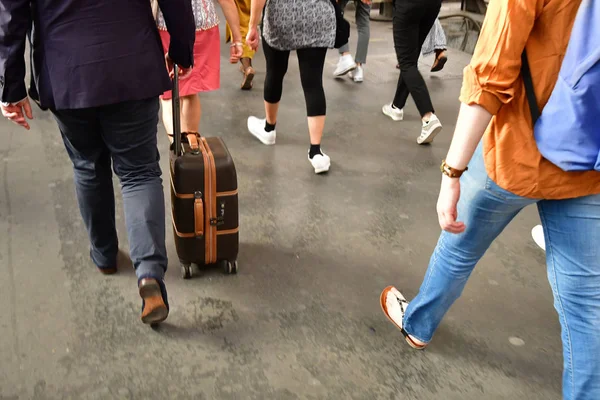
(322, 170)
(344, 72)
(535, 237)
(382, 299)
(265, 142)
(392, 116)
(153, 298)
(429, 138)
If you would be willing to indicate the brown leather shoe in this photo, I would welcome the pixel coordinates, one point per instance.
(108, 270)
(154, 308)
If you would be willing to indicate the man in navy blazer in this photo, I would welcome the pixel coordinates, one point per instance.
(99, 67)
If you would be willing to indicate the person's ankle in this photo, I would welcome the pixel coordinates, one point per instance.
(315, 149)
(269, 127)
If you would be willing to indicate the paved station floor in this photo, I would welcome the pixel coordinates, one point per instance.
(301, 320)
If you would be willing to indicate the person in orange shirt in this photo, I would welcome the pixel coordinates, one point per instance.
(506, 173)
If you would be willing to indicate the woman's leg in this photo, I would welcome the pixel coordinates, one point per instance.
(486, 210)
(572, 234)
(411, 24)
(346, 62)
(311, 63)
(363, 25)
(405, 33)
(277, 64)
(191, 112)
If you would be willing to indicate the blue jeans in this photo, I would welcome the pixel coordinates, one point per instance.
(572, 234)
(124, 133)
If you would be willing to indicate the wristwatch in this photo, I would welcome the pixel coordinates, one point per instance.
(451, 172)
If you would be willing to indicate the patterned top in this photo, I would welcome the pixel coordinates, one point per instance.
(204, 13)
(296, 24)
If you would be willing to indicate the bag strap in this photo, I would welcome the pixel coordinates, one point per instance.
(529, 90)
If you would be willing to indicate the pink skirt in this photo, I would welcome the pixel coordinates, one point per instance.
(205, 76)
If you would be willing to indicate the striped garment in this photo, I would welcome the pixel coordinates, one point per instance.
(204, 13)
(435, 40)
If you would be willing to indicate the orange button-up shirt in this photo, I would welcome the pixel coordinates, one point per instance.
(493, 81)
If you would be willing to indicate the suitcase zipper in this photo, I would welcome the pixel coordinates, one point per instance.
(207, 236)
(210, 198)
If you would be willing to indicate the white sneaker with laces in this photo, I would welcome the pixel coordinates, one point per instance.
(430, 130)
(537, 233)
(358, 75)
(256, 126)
(397, 114)
(320, 162)
(345, 65)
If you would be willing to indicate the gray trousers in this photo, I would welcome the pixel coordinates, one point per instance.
(363, 21)
(123, 135)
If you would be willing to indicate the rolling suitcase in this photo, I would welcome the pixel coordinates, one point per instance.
(204, 198)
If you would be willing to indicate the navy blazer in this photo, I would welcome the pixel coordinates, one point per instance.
(89, 53)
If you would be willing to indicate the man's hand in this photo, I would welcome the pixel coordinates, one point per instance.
(252, 37)
(235, 53)
(446, 205)
(183, 72)
(17, 113)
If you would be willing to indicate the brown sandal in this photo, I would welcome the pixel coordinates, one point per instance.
(408, 339)
(248, 77)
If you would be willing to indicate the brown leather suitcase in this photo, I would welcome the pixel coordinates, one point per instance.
(204, 198)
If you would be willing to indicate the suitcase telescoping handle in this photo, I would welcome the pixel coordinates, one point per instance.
(176, 112)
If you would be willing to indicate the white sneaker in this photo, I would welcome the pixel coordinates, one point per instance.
(537, 233)
(256, 126)
(358, 74)
(397, 114)
(430, 130)
(345, 65)
(320, 162)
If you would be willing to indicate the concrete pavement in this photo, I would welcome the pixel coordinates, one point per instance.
(301, 320)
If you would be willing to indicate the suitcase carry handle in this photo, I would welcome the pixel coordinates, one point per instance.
(176, 112)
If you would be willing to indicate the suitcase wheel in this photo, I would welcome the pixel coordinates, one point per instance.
(186, 271)
(231, 267)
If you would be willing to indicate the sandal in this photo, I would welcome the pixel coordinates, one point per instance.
(439, 62)
(248, 77)
(403, 303)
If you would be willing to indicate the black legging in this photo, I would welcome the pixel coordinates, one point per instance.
(412, 22)
(311, 62)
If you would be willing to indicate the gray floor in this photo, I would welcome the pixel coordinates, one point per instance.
(302, 318)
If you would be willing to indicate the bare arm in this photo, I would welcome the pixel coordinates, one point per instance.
(256, 12)
(472, 122)
(489, 83)
(233, 19)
